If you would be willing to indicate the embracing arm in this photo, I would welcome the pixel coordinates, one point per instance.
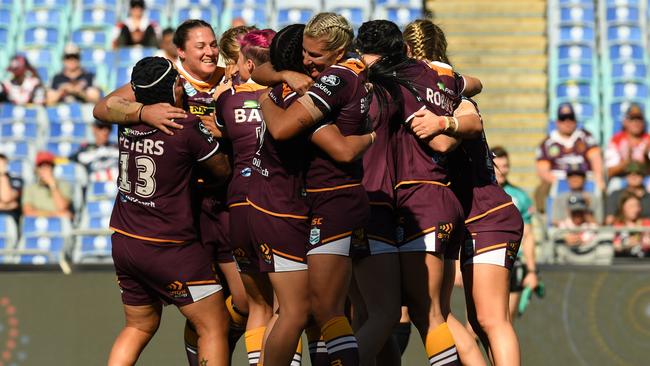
(284, 124)
(473, 86)
(219, 166)
(265, 74)
(120, 107)
(466, 123)
(343, 149)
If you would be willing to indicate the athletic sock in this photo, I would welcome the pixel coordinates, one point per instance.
(441, 348)
(317, 349)
(191, 344)
(297, 357)
(254, 339)
(402, 333)
(341, 344)
(237, 324)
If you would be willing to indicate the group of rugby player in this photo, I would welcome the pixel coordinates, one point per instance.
(363, 173)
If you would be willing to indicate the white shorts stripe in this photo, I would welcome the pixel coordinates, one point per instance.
(447, 360)
(496, 257)
(336, 247)
(425, 243)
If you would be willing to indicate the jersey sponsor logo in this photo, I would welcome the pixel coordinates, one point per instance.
(205, 132)
(257, 165)
(265, 250)
(177, 290)
(331, 80)
(246, 172)
(554, 151)
(129, 132)
(314, 236)
(250, 104)
(441, 100)
(243, 115)
(189, 89)
(200, 110)
(143, 146)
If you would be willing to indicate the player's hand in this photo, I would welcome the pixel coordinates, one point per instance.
(530, 280)
(161, 116)
(209, 121)
(222, 87)
(426, 125)
(298, 82)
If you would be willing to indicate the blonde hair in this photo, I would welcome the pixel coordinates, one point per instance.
(335, 27)
(229, 42)
(426, 40)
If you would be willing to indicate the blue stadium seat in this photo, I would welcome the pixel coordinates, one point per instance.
(44, 18)
(385, 3)
(195, 12)
(623, 52)
(95, 56)
(22, 169)
(575, 71)
(621, 2)
(99, 223)
(574, 90)
(624, 33)
(20, 149)
(71, 172)
(90, 38)
(64, 112)
(48, 4)
(41, 37)
(251, 15)
(11, 113)
(69, 131)
(575, 52)
(618, 108)
(130, 55)
(101, 191)
(4, 36)
(63, 149)
(98, 18)
(630, 90)
(629, 70)
(563, 186)
(577, 34)
(43, 226)
(101, 3)
(356, 16)
(19, 131)
(41, 57)
(122, 75)
(101, 208)
(292, 16)
(93, 249)
(403, 15)
(577, 2)
(577, 14)
(260, 4)
(623, 14)
(584, 108)
(50, 244)
(5, 17)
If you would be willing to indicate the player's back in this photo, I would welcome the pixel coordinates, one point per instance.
(155, 181)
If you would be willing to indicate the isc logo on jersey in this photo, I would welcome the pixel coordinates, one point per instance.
(249, 112)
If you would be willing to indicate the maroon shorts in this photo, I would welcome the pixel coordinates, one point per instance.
(381, 229)
(149, 272)
(338, 221)
(214, 222)
(494, 238)
(243, 250)
(429, 219)
(280, 241)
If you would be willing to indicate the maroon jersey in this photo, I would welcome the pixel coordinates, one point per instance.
(566, 153)
(474, 180)
(239, 114)
(154, 200)
(277, 181)
(438, 89)
(341, 94)
(378, 161)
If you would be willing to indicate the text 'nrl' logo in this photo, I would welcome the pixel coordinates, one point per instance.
(331, 80)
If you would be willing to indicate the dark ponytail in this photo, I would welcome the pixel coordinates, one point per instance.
(286, 49)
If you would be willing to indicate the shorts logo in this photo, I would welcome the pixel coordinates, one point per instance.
(359, 239)
(444, 231)
(331, 80)
(511, 250)
(266, 253)
(240, 256)
(399, 234)
(177, 290)
(314, 236)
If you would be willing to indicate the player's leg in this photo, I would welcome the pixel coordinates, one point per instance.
(141, 324)
(513, 303)
(209, 317)
(292, 291)
(381, 293)
(260, 300)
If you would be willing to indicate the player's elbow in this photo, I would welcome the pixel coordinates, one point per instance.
(442, 146)
(343, 156)
(279, 133)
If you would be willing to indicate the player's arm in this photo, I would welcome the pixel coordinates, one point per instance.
(343, 149)
(283, 124)
(473, 86)
(120, 107)
(265, 74)
(219, 166)
(465, 123)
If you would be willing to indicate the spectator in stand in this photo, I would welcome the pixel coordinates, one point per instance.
(100, 158)
(576, 179)
(73, 83)
(168, 49)
(634, 178)
(566, 147)
(524, 271)
(10, 188)
(237, 22)
(136, 29)
(23, 86)
(628, 215)
(632, 144)
(48, 196)
(580, 216)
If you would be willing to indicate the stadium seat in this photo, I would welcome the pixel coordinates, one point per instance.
(62, 149)
(584, 108)
(64, 112)
(624, 33)
(286, 17)
(251, 15)
(23, 169)
(95, 56)
(208, 14)
(100, 208)
(69, 131)
(72, 173)
(12, 113)
(100, 3)
(41, 37)
(629, 70)
(401, 15)
(47, 4)
(575, 52)
(19, 131)
(19, 149)
(356, 13)
(630, 90)
(98, 17)
(574, 90)
(577, 34)
(50, 246)
(101, 191)
(622, 14)
(623, 52)
(44, 226)
(576, 14)
(122, 75)
(575, 71)
(128, 56)
(90, 38)
(93, 249)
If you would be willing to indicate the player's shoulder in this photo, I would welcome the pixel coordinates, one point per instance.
(441, 68)
(248, 88)
(352, 64)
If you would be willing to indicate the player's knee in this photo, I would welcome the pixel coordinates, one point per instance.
(149, 325)
(489, 321)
